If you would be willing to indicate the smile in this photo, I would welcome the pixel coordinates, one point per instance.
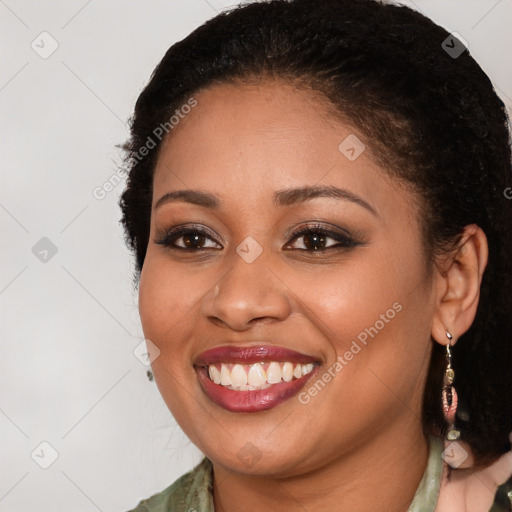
(256, 376)
(252, 379)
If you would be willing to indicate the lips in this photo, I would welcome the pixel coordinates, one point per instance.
(248, 355)
(275, 374)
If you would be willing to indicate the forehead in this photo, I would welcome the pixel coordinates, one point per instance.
(251, 140)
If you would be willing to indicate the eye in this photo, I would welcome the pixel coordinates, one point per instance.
(315, 238)
(187, 238)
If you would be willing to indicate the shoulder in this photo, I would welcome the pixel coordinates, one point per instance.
(191, 491)
(483, 490)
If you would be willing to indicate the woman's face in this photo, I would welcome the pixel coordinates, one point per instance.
(348, 304)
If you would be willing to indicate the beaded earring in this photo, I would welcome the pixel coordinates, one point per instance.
(449, 394)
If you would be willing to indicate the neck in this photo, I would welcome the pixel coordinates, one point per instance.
(385, 471)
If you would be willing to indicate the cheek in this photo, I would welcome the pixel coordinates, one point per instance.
(166, 291)
(166, 299)
(350, 297)
(166, 302)
(374, 312)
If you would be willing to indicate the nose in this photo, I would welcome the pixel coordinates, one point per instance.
(248, 294)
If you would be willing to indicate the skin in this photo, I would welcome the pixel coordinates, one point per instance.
(242, 143)
(471, 490)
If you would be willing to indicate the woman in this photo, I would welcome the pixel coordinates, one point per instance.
(317, 204)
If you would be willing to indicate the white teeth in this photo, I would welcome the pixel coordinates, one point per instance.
(225, 375)
(287, 372)
(214, 374)
(306, 368)
(244, 377)
(238, 376)
(257, 375)
(274, 373)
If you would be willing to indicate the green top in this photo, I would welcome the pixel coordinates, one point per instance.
(193, 492)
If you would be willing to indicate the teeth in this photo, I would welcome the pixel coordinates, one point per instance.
(287, 372)
(214, 374)
(246, 377)
(257, 375)
(274, 373)
(225, 376)
(238, 376)
(306, 368)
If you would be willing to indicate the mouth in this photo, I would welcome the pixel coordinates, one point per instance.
(253, 379)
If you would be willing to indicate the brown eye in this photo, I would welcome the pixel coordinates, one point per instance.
(192, 240)
(315, 241)
(187, 239)
(318, 239)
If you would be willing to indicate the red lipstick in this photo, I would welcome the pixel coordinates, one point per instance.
(258, 399)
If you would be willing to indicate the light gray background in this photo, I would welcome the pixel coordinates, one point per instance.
(69, 326)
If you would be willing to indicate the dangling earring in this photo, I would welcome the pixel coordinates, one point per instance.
(449, 395)
(149, 373)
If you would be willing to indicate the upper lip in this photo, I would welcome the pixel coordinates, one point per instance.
(251, 354)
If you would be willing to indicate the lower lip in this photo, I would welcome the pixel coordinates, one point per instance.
(251, 401)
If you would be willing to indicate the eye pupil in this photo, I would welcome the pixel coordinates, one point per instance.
(192, 240)
(311, 240)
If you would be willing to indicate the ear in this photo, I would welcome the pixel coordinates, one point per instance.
(458, 278)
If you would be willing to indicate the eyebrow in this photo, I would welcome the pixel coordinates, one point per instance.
(190, 196)
(293, 196)
(286, 197)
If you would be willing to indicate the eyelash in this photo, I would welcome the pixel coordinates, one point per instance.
(344, 241)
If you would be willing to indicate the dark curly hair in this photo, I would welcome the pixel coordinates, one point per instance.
(431, 118)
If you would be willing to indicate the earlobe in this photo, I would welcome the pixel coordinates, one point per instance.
(458, 285)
